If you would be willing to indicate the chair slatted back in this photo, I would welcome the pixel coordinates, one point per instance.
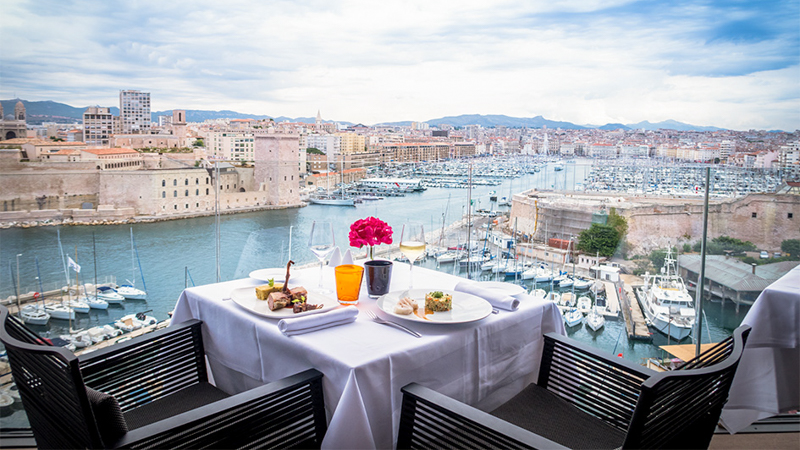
(170, 361)
(291, 418)
(426, 424)
(713, 355)
(51, 388)
(680, 409)
(605, 388)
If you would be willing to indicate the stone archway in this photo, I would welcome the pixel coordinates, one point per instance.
(11, 135)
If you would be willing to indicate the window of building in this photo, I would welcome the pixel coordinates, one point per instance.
(187, 193)
(187, 206)
(206, 180)
(163, 183)
(196, 181)
(175, 182)
(197, 192)
(174, 193)
(788, 215)
(754, 215)
(163, 194)
(175, 206)
(186, 182)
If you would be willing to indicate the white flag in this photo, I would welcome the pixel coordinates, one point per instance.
(73, 265)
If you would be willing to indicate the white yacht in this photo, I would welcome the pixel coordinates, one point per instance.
(594, 320)
(130, 292)
(573, 317)
(94, 302)
(109, 295)
(78, 305)
(34, 315)
(666, 303)
(59, 311)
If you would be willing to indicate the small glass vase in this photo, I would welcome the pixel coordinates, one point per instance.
(378, 274)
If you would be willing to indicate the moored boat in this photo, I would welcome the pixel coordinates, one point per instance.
(666, 303)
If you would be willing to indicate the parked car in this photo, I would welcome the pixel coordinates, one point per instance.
(776, 255)
(764, 254)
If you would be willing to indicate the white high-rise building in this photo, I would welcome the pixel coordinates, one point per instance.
(134, 112)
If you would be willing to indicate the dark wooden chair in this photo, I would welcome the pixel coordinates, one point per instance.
(153, 392)
(584, 398)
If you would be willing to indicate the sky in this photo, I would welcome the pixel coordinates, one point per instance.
(729, 64)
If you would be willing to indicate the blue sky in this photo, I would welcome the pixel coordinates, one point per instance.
(733, 64)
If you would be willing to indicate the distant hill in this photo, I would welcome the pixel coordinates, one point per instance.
(49, 111)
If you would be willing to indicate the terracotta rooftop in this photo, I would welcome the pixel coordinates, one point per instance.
(37, 141)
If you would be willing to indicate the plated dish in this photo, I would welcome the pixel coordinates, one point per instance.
(506, 288)
(246, 298)
(465, 307)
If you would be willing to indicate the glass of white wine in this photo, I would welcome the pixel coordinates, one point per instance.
(321, 243)
(412, 245)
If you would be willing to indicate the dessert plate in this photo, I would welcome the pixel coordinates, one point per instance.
(278, 274)
(246, 298)
(466, 307)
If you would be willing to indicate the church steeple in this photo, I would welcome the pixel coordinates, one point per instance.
(19, 111)
(319, 118)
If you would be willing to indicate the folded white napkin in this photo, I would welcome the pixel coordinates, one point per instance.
(336, 258)
(496, 298)
(347, 258)
(314, 322)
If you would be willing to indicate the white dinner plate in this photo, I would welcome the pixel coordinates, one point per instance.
(506, 288)
(466, 307)
(279, 274)
(246, 298)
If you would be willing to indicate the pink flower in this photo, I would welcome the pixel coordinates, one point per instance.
(370, 231)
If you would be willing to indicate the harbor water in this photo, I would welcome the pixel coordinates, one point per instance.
(176, 253)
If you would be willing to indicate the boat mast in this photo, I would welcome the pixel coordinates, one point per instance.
(94, 260)
(133, 263)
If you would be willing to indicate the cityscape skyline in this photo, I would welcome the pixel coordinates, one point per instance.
(724, 64)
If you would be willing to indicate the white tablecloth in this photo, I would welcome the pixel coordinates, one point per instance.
(482, 363)
(767, 381)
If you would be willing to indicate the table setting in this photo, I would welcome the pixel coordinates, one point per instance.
(482, 351)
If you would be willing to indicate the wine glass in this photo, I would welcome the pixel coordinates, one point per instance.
(321, 244)
(412, 245)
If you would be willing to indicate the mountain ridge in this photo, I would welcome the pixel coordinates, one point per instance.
(50, 111)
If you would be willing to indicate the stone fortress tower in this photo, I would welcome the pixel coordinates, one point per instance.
(276, 167)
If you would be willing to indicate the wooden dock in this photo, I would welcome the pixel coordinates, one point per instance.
(634, 318)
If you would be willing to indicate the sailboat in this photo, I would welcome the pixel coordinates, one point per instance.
(332, 199)
(36, 314)
(129, 291)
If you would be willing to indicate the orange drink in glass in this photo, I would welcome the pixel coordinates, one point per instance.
(348, 283)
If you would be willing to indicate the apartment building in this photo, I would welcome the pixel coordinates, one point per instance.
(352, 143)
(98, 126)
(134, 112)
(231, 145)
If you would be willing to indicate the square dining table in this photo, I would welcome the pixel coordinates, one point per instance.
(482, 363)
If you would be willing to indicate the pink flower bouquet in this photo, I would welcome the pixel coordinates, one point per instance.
(370, 231)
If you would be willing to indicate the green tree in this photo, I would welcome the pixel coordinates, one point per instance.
(598, 238)
(617, 222)
(199, 143)
(314, 151)
(687, 248)
(657, 257)
(792, 247)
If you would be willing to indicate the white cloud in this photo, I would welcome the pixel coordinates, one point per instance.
(579, 61)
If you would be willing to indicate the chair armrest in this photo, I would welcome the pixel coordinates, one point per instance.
(592, 380)
(431, 420)
(148, 367)
(288, 413)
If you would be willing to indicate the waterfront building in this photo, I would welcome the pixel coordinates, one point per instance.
(415, 151)
(16, 127)
(113, 158)
(32, 149)
(98, 126)
(567, 149)
(603, 150)
(231, 145)
(656, 222)
(789, 160)
(134, 112)
(352, 143)
(330, 144)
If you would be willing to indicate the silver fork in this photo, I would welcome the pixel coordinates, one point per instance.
(377, 319)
